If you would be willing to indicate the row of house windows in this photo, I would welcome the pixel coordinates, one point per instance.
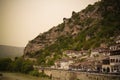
(115, 60)
(114, 53)
(115, 68)
(115, 47)
(105, 62)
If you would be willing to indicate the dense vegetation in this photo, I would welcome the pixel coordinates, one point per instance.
(19, 65)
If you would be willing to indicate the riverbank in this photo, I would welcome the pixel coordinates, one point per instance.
(19, 76)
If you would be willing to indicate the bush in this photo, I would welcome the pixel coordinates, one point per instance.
(26, 67)
(34, 73)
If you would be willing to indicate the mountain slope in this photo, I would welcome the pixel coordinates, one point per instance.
(10, 51)
(69, 27)
(97, 24)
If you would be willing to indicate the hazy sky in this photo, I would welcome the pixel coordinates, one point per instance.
(23, 20)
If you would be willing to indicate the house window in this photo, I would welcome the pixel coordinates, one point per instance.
(111, 60)
(116, 60)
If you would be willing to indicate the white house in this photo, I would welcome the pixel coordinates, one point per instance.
(72, 53)
(94, 53)
(63, 64)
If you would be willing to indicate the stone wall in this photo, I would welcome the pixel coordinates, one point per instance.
(75, 75)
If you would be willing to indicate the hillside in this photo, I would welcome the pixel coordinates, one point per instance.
(10, 51)
(88, 29)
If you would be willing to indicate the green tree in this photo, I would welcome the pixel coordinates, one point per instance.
(4, 64)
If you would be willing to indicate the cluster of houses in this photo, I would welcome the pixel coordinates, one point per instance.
(109, 62)
(112, 63)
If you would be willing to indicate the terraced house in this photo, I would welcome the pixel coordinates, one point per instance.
(115, 57)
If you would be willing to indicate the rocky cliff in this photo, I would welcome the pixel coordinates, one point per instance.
(98, 23)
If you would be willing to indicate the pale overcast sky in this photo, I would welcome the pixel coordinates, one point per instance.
(23, 20)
